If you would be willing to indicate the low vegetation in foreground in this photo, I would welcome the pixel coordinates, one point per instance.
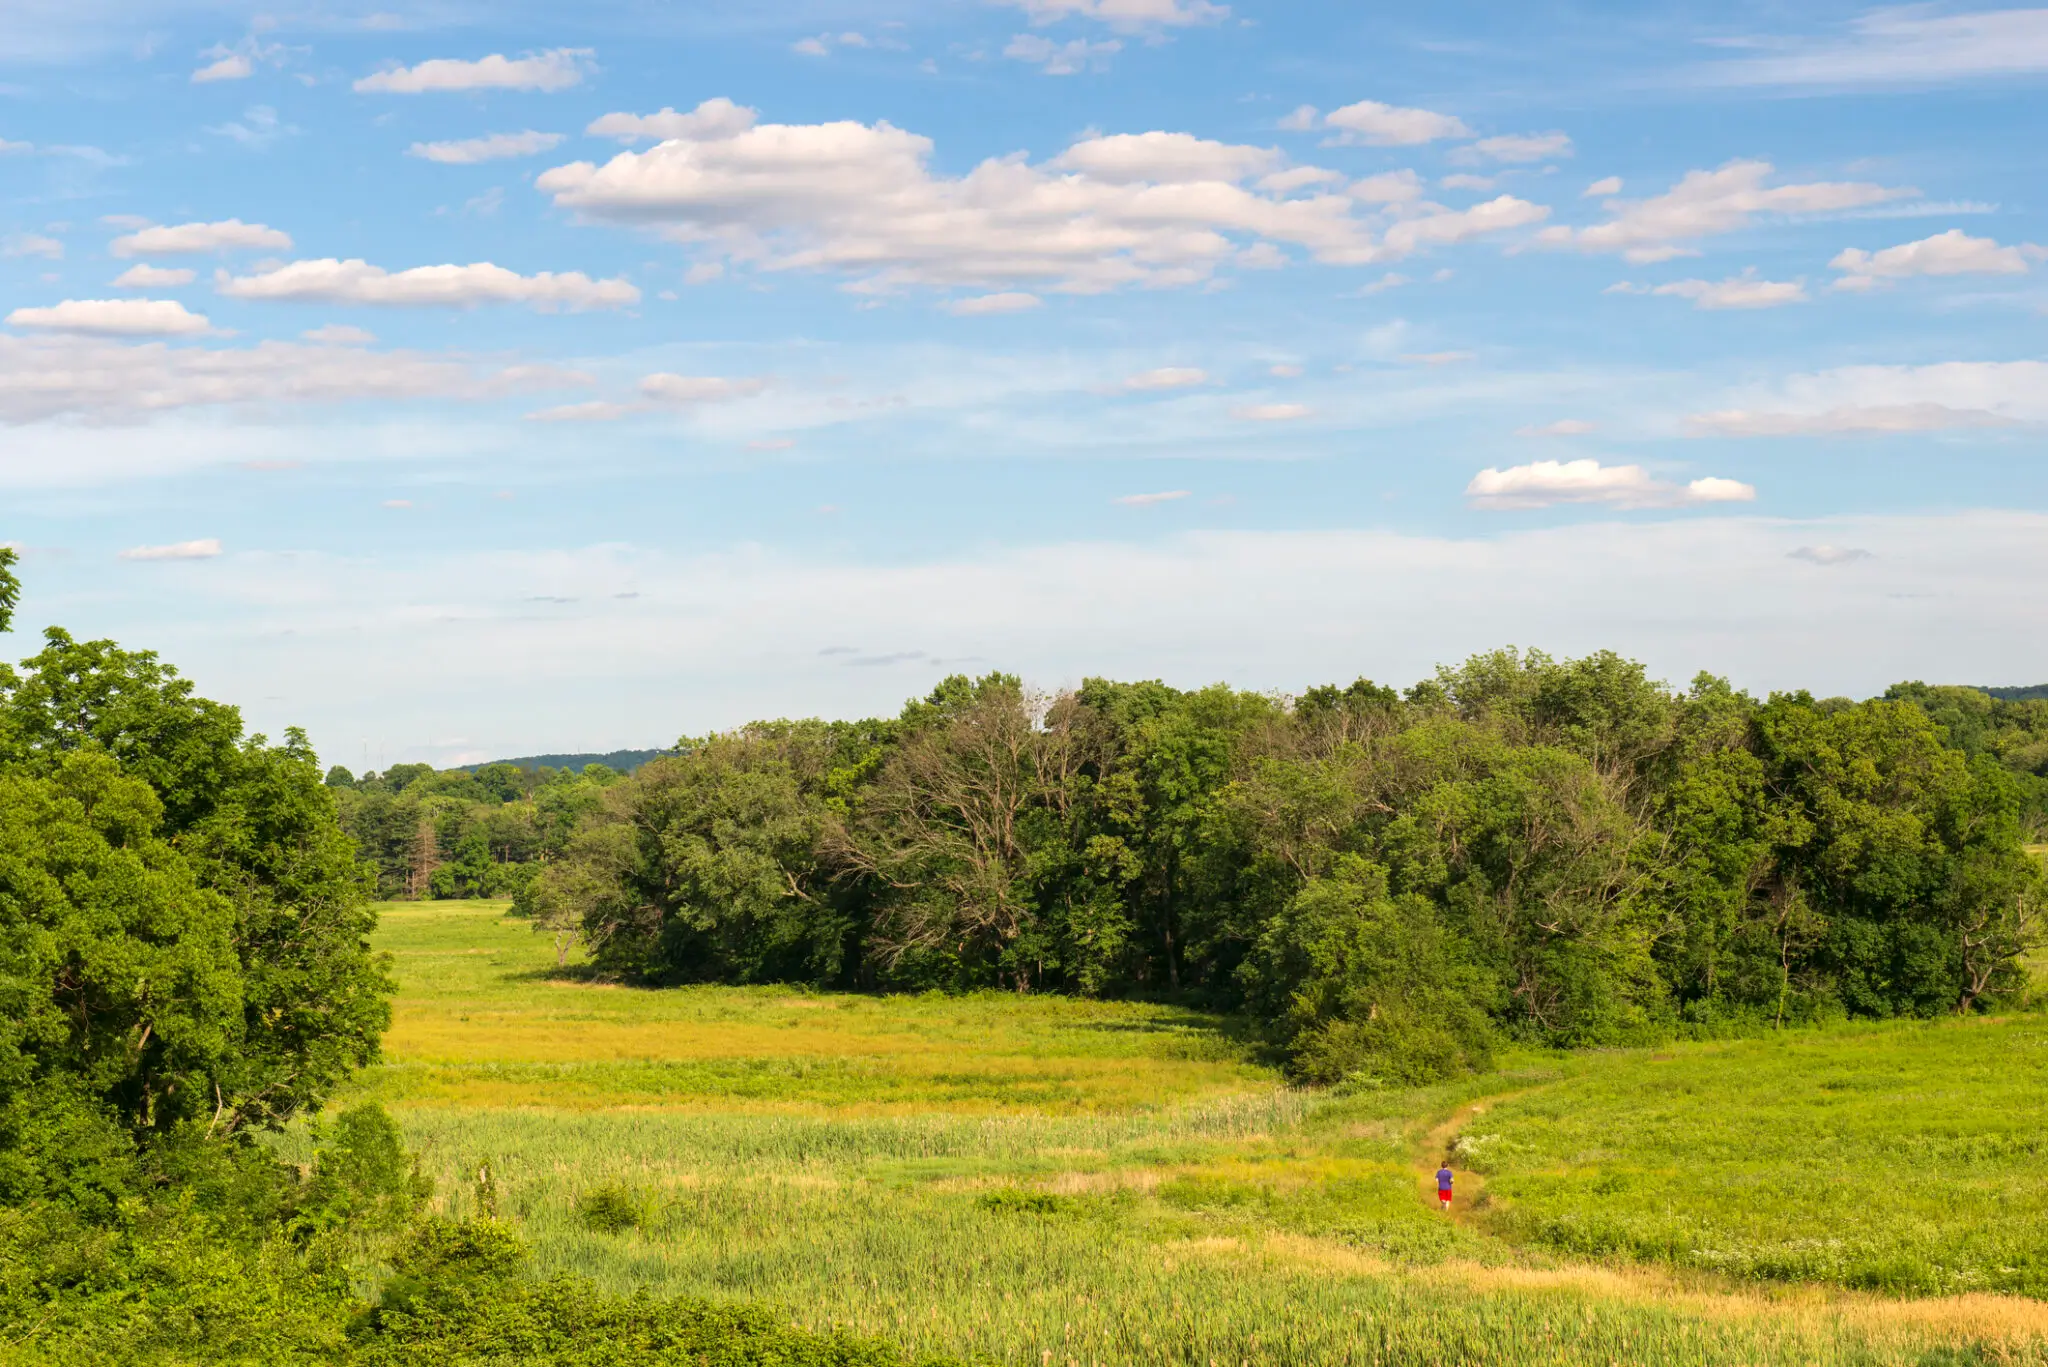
(241, 1123)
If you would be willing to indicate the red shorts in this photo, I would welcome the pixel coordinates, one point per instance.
(1443, 1194)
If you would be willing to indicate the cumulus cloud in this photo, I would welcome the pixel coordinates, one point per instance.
(1271, 412)
(1828, 555)
(1516, 147)
(1447, 226)
(1167, 377)
(1146, 500)
(1905, 45)
(713, 119)
(1062, 59)
(1142, 158)
(1606, 185)
(1130, 16)
(113, 318)
(193, 239)
(147, 277)
(1563, 427)
(110, 382)
(1154, 209)
(181, 550)
(490, 147)
(357, 282)
(1708, 204)
(1385, 125)
(1742, 291)
(1007, 302)
(1886, 401)
(688, 389)
(1386, 188)
(558, 69)
(233, 67)
(1544, 483)
(1951, 253)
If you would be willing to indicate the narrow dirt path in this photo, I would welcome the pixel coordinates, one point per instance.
(1437, 1151)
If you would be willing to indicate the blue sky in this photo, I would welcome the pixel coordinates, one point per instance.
(459, 380)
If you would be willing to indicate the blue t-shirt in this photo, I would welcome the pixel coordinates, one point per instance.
(1443, 1179)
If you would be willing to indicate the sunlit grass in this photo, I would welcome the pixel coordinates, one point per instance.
(1043, 1181)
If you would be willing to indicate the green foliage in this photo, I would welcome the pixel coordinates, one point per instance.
(10, 586)
(611, 1209)
(1562, 851)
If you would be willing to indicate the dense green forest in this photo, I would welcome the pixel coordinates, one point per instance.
(1387, 884)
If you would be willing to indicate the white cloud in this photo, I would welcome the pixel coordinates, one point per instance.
(1463, 181)
(550, 71)
(1438, 357)
(822, 45)
(1608, 185)
(1271, 412)
(713, 119)
(1130, 16)
(1284, 371)
(1301, 120)
(191, 239)
(1742, 291)
(1544, 483)
(450, 286)
(146, 277)
(1886, 401)
(339, 334)
(1301, 177)
(687, 389)
(257, 129)
(233, 67)
(1868, 420)
(597, 410)
(1173, 158)
(1951, 253)
(1498, 214)
(1156, 209)
(491, 147)
(1516, 147)
(34, 244)
(182, 550)
(1905, 45)
(1007, 302)
(1828, 555)
(1167, 377)
(113, 318)
(1386, 125)
(1062, 59)
(1563, 427)
(110, 382)
(1707, 204)
(1147, 500)
(1392, 280)
(1388, 187)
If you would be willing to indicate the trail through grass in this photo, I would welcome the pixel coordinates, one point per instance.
(1037, 1181)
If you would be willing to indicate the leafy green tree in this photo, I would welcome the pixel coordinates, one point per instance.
(10, 586)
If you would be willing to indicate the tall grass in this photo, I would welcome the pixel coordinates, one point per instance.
(1166, 1199)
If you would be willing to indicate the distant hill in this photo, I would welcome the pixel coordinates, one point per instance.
(2018, 693)
(625, 761)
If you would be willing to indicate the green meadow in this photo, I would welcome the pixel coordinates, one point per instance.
(1039, 1180)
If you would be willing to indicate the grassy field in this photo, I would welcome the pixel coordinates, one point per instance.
(1037, 1181)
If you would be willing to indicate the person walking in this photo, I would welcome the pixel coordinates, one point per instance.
(1443, 1188)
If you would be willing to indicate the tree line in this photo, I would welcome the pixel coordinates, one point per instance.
(1390, 882)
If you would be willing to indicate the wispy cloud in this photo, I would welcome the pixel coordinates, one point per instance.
(1900, 46)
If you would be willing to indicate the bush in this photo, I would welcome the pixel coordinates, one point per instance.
(611, 1209)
